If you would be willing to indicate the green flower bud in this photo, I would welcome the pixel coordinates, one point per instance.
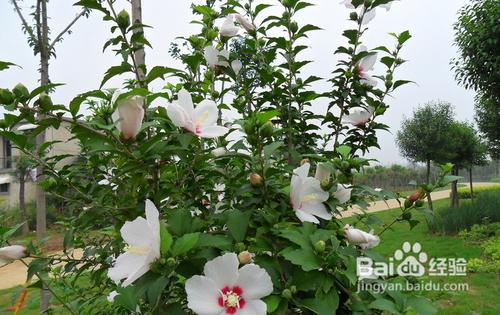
(419, 203)
(44, 101)
(293, 289)
(6, 97)
(287, 294)
(266, 130)
(171, 262)
(408, 203)
(326, 184)
(123, 20)
(320, 246)
(294, 27)
(20, 91)
(248, 127)
(353, 16)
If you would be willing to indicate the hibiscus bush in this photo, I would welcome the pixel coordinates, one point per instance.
(175, 208)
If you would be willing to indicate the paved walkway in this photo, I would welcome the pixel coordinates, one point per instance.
(393, 203)
(15, 273)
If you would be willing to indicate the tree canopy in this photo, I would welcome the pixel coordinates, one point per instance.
(477, 36)
(423, 136)
(488, 121)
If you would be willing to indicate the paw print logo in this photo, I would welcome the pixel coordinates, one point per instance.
(411, 260)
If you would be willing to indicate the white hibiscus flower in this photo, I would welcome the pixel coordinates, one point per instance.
(307, 196)
(201, 121)
(143, 239)
(225, 289)
(361, 238)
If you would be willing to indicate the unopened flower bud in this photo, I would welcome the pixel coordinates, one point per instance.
(256, 180)
(408, 203)
(293, 289)
(294, 27)
(320, 246)
(353, 16)
(287, 294)
(123, 19)
(239, 247)
(20, 91)
(266, 130)
(171, 262)
(326, 184)
(304, 161)
(44, 101)
(10, 253)
(419, 203)
(245, 257)
(416, 195)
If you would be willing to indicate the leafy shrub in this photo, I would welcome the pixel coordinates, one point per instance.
(495, 180)
(484, 208)
(480, 232)
(464, 192)
(490, 262)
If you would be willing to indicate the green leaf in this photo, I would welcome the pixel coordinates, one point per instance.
(36, 266)
(237, 224)
(304, 257)
(218, 241)
(400, 83)
(344, 151)
(185, 243)
(323, 303)
(272, 302)
(166, 239)
(43, 88)
(6, 65)
(114, 71)
(158, 72)
(448, 179)
(126, 298)
(403, 37)
(421, 305)
(384, 305)
(271, 148)
(155, 289)
(8, 232)
(264, 117)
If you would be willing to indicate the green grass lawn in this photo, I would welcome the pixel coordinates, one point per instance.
(484, 289)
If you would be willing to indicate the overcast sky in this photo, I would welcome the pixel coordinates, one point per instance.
(81, 63)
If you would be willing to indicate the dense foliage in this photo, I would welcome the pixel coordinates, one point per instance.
(477, 36)
(210, 188)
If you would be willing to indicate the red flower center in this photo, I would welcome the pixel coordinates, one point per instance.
(231, 299)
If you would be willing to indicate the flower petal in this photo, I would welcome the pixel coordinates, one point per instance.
(312, 191)
(302, 171)
(306, 217)
(202, 295)
(370, 15)
(343, 194)
(137, 232)
(322, 172)
(185, 101)
(368, 62)
(255, 282)
(178, 116)
(139, 272)
(213, 131)
(126, 264)
(211, 56)
(152, 216)
(223, 270)
(253, 307)
(205, 113)
(317, 209)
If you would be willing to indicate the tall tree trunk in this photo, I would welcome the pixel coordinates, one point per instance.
(428, 178)
(454, 190)
(41, 211)
(140, 54)
(22, 203)
(470, 183)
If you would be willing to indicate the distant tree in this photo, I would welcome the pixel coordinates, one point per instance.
(423, 136)
(464, 149)
(488, 121)
(477, 36)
